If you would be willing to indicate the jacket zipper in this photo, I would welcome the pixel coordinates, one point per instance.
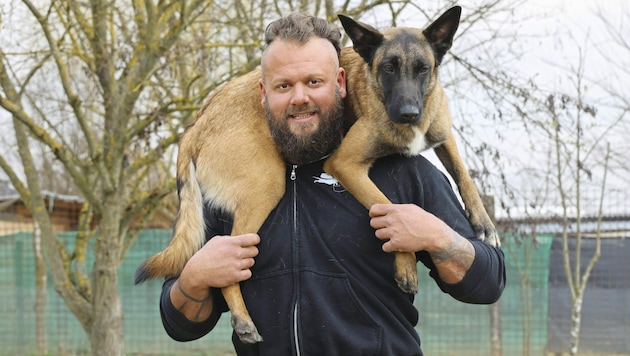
(296, 339)
(295, 330)
(293, 176)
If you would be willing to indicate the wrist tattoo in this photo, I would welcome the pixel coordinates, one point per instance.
(189, 297)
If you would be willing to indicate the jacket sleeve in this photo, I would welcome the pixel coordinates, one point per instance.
(176, 325)
(485, 280)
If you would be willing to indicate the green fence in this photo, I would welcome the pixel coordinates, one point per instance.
(447, 327)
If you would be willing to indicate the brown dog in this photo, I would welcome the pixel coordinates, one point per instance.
(395, 105)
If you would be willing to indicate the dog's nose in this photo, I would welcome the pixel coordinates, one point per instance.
(409, 114)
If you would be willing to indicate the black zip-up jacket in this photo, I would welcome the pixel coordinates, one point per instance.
(321, 283)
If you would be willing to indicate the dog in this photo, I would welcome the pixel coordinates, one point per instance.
(395, 104)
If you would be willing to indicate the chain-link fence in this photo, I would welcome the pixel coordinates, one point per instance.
(530, 319)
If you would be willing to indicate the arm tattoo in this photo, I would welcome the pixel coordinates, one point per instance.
(181, 290)
(458, 256)
(202, 302)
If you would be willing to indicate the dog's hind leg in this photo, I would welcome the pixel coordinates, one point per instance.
(242, 322)
(349, 166)
(250, 213)
(481, 222)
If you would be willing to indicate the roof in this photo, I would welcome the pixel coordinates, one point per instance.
(8, 194)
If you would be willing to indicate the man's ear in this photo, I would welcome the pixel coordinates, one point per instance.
(341, 82)
(263, 93)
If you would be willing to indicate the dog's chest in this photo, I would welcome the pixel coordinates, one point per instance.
(418, 143)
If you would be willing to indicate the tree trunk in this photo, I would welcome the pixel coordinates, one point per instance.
(576, 321)
(106, 335)
(496, 346)
(106, 332)
(526, 310)
(40, 292)
(496, 337)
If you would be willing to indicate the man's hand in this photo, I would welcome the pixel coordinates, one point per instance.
(409, 228)
(222, 261)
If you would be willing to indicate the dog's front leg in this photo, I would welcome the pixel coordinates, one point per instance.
(349, 164)
(477, 214)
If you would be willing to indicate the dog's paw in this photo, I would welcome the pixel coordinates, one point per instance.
(408, 283)
(489, 235)
(246, 330)
(406, 273)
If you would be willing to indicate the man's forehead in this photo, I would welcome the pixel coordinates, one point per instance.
(288, 59)
(286, 50)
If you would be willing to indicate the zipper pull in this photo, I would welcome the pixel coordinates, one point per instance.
(293, 176)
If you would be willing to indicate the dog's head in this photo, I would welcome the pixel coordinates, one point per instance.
(403, 62)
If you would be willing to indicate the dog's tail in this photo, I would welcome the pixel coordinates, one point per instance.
(188, 232)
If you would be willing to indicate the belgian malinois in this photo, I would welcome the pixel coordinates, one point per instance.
(395, 104)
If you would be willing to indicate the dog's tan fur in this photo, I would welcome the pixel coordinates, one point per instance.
(227, 158)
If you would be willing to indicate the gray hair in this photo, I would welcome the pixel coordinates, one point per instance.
(301, 27)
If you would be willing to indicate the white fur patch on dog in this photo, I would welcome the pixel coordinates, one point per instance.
(418, 144)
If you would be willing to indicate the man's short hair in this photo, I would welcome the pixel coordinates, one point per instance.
(301, 27)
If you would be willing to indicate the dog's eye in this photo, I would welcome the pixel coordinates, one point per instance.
(388, 68)
(424, 70)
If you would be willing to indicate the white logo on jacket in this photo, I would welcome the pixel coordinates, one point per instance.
(327, 179)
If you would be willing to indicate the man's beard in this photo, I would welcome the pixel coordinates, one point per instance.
(302, 149)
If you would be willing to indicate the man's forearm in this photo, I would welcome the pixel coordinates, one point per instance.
(455, 258)
(195, 305)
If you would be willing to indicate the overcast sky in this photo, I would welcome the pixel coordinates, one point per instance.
(558, 30)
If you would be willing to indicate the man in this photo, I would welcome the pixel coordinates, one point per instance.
(318, 277)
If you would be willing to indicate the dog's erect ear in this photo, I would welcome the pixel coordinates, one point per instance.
(365, 38)
(441, 32)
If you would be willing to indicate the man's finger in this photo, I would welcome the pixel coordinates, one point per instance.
(249, 240)
(382, 234)
(379, 210)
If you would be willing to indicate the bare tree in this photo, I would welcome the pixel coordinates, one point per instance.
(572, 158)
(108, 116)
(578, 159)
(571, 203)
(106, 89)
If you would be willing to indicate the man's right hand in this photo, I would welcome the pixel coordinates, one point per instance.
(222, 261)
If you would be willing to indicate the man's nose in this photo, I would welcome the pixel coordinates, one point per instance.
(300, 95)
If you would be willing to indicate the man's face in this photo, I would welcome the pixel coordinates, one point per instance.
(302, 92)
